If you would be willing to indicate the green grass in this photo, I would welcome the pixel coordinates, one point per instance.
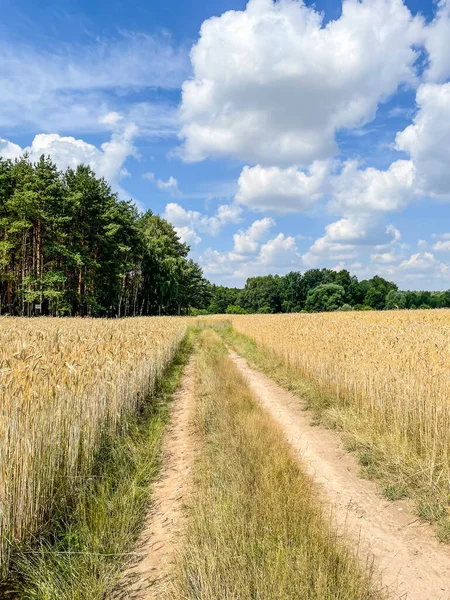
(255, 529)
(394, 467)
(85, 545)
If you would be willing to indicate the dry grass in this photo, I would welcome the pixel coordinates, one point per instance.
(255, 529)
(383, 378)
(65, 385)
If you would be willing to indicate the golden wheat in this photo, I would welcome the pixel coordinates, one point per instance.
(391, 369)
(63, 385)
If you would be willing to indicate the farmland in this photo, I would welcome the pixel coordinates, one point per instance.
(65, 384)
(83, 425)
(381, 377)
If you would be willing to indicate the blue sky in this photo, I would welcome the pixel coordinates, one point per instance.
(275, 136)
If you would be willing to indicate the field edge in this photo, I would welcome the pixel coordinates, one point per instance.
(392, 467)
(90, 540)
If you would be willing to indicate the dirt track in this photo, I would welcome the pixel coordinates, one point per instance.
(162, 533)
(410, 561)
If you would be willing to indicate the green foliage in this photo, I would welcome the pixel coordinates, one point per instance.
(362, 307)
(69, 246)
(377, 290)
(345, 308)
(221, 298)
(196, 312)
(289, 293)
(261, 292)
(395, 300)
(325, 297)
(264, 310)
(233, 309)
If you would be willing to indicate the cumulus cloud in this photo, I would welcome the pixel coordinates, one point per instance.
(348, 238)
(384, 258)
(8, 150)
(372, 190)
(67, 151)
(248, 242)
(419, 264)
(282, 190)
(286, 83)
(353, 190)
(252, 254)
(188, 235)
(171, 185)
(188, 222)
(279, 252)
(442, 246)
(427, 140)
(437, 44)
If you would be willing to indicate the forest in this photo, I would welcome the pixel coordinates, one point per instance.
(70, 247)
(320, 290)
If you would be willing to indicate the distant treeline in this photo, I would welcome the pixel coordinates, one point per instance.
(69, 246)
(319, 290)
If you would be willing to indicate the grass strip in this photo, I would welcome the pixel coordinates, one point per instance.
(255, 530)
(86, 544)
(384, 460)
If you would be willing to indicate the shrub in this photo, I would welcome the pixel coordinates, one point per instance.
(233, 309)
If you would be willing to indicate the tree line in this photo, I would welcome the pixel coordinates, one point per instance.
(69, 246)
(319, 290)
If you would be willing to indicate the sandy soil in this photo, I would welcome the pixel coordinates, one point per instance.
(408, 558)
(162, 533)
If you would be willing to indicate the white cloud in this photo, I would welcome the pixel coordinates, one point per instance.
(228, 214)
(188, 235)
(281, 251)
(437, 43)
(67, 88)
(251, 255)
(248, 242)
(188, 222)
(348, 239)
(155, 120)
(419, 271)
(442, 246)
(149, 176)
(371, 190)
(419, 263)
(111, 119)
(171, 185)
(282, 190)
(8, 150)
(384, 258)
(66, 151)
(286, 83)
(427, 140)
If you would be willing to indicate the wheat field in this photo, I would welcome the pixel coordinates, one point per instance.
(63, 385)
(390, 370)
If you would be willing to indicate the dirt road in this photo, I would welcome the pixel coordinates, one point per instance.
(410, 561)
(162, 533)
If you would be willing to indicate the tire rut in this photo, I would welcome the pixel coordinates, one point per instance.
(407, 557)
(163, 530)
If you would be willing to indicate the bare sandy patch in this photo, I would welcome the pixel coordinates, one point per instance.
(162, 534)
